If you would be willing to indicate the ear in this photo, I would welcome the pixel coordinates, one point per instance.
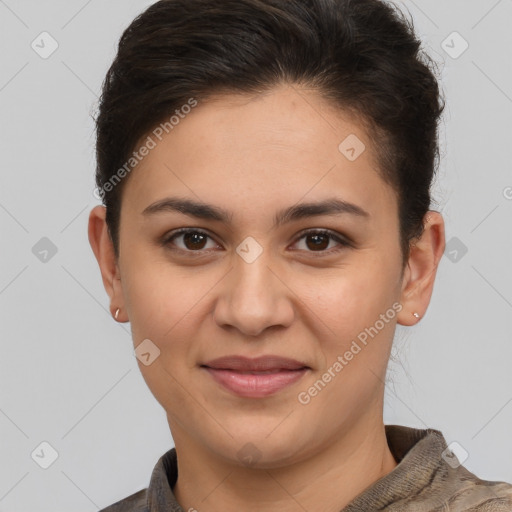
(421, 269)
(103, 249)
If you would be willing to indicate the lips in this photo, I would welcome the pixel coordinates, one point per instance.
(255, 377)
(258, 364)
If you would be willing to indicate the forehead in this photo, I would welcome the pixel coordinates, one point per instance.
(286, 144)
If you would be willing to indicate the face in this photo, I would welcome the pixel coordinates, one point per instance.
(236, 264)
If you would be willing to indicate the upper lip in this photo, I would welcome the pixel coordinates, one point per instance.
(262, 363)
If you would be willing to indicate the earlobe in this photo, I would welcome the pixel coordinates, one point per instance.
(420, 273)
(103, 248)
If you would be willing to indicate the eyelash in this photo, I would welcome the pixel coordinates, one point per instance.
(332, 235)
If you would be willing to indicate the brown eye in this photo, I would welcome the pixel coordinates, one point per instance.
(189, 240)
(193, 240)
(321, 241)
(317, 241)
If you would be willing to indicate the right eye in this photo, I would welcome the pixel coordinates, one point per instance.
(189, 240)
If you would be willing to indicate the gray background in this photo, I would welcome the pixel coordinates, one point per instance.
(67, 371)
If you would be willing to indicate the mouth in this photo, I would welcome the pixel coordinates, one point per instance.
(255, 378)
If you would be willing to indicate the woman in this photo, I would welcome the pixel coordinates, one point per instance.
(265, 167)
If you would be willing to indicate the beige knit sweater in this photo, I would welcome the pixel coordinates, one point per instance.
(427, 479)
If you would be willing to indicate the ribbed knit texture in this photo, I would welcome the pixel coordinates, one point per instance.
(421, 482)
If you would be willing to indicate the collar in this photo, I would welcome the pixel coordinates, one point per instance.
(421, 478)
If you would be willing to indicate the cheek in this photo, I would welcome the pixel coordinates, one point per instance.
(156, 295)
(347, 305)
(170, 307)
(350, 296)
(163, 307)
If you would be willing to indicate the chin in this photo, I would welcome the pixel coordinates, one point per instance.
(259, 450)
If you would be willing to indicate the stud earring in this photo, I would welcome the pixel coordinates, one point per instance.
(415, 314)
(116, 313)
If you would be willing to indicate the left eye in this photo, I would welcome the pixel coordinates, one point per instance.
(319, 241)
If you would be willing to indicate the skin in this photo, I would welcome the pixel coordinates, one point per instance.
(254, 156)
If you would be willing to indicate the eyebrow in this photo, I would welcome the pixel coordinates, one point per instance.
(332, 206)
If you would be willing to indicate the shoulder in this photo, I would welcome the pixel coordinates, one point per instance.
(430, 477)
(159, 492)
(135, 503)
(476, 495)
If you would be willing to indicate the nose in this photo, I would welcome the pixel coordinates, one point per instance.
(254, 297)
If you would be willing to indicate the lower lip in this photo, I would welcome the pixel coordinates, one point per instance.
(256, 385)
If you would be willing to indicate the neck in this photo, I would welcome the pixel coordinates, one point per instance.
(326, 481)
